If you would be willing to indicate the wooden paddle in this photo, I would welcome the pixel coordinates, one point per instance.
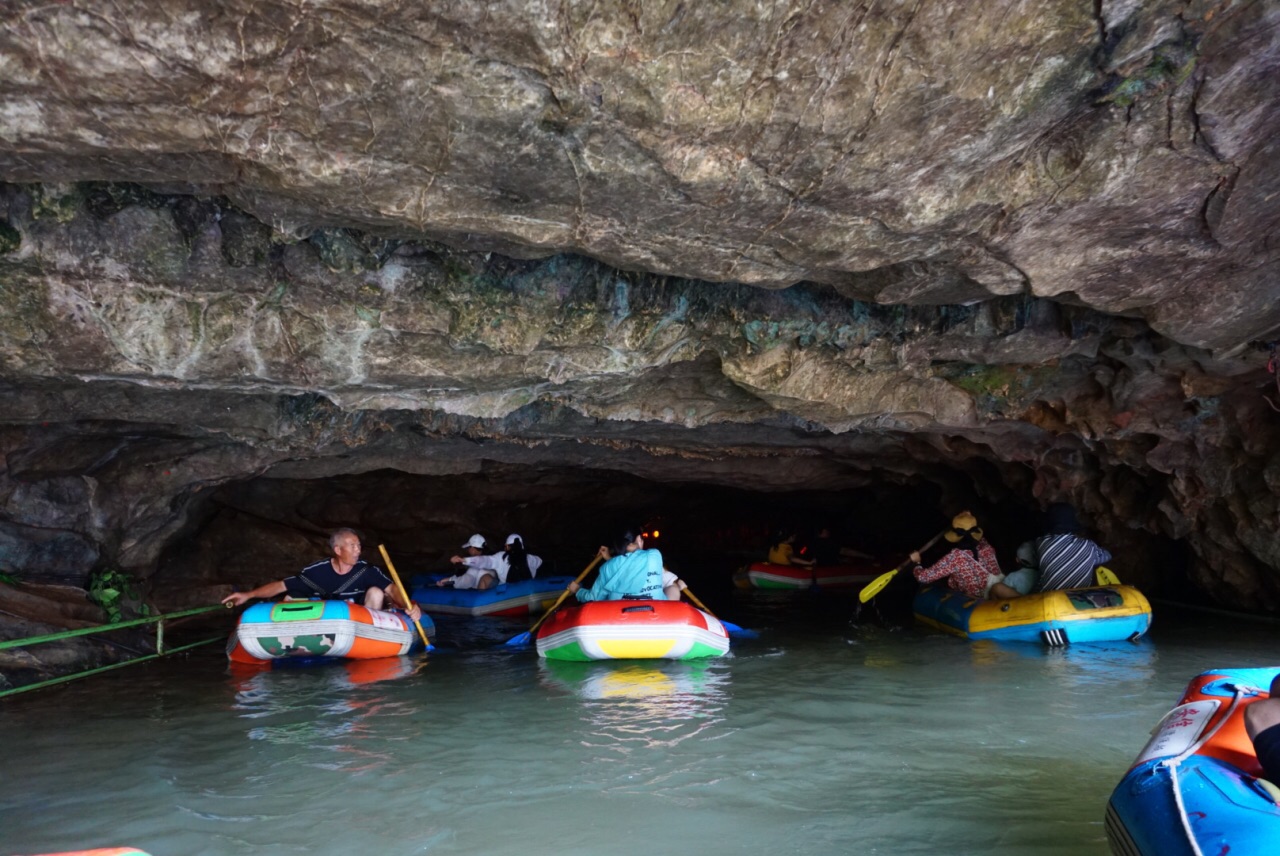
(525, 638)
(404, 596)
(877, 585)
(1106, 577)
(731, 628)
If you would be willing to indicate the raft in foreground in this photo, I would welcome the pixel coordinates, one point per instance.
(320, 628)
(1098, 614)
(1195, 787)
(766, 575)
(632, 630)
(526, 597)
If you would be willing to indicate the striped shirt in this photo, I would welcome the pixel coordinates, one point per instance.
(1067, 561)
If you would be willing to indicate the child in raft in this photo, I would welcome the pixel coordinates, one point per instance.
(971, 567)
(633, 573)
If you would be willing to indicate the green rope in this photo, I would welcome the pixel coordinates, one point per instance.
(101, 669)
(103, 628)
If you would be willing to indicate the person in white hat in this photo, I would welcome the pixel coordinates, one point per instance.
(514, 563)
(479, 573)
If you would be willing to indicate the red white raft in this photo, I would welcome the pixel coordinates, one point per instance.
(766, 575)
(632, 630)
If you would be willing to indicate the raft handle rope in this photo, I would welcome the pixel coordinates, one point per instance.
(161, 650)
(1172, 763)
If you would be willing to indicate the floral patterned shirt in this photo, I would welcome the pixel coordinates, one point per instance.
(963, 573)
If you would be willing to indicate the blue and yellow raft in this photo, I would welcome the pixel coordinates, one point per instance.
(1056, 618)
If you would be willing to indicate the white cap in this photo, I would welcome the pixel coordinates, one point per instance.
(514, 537)
(476, 541)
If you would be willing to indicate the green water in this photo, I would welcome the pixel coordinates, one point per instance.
(817, 738)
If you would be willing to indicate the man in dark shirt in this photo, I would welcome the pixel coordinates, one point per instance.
(344, 577)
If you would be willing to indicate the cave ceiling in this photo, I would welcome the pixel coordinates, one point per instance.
(757, 246)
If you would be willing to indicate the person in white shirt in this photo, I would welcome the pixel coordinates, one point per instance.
(672, 585)
(479, 573)
(515, 564)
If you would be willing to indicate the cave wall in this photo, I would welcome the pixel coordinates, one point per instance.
(137, 388)
(989, 257)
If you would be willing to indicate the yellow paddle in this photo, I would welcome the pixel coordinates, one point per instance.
(404, 596)
(522, 639)
(1106, 577)
(877, 585)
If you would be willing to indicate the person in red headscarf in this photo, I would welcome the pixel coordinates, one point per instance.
(970, 567)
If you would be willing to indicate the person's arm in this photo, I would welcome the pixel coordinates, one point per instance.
(597, 591)
(944, 567)
(266, 590)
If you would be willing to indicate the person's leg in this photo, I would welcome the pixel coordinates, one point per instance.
(486, 581)
(374, 598)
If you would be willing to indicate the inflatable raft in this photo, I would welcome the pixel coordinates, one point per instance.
(320, 628)
(1100, 614)
(766, 575)
(523, 598)
(1195, 787)
(632, 630)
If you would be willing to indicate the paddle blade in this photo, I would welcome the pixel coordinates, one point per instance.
(521, 640)
(876, 586)
(1106, 577)
(737, 632)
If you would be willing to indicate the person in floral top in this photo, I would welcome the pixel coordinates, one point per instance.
(970, 567)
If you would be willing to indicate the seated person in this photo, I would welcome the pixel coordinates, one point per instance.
(782, 550)
(1023, 580)
(632, 573)
(971, 567)
(1262, 723)
(344, 577)
(825, 551)
(672, 585)
(514, 564)
(1065, 559)
(480, 572)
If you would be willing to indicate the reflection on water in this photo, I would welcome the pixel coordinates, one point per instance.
(642, 705)
(317, 706)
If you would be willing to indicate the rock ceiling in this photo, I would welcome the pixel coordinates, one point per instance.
(1032, 245)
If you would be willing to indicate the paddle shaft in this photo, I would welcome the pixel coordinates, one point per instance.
(404, 596)
(875, 586)
(693, 597)
(582, 576)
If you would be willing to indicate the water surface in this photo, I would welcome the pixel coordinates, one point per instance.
(819, 737)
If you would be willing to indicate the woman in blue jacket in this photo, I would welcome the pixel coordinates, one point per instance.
(633, 572)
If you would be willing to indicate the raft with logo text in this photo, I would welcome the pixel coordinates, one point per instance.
(525, 597)
(295, 629)
(1196, 787)
(1097, 614)
(632, 630)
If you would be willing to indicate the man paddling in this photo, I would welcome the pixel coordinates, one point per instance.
(344, 577)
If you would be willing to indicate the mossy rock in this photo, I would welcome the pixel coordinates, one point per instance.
(10, 238)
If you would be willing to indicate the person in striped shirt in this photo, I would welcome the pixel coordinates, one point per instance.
(1065, 559)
